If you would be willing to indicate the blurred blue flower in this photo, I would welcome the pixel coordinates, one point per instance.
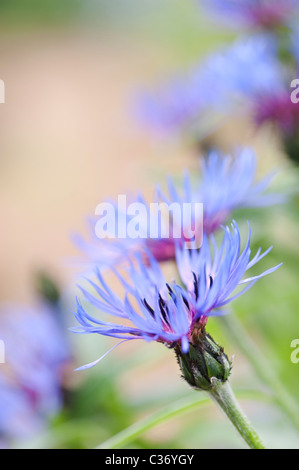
(266, 14)
(251, 77)
(154, 310)
(226, 183)
(36, 354)
(103, 252)
(295, 43)
(249, 67)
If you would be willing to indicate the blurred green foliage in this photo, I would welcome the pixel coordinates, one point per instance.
(18, 12)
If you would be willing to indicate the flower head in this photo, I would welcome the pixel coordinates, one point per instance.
(226, 183)
(214, 87)
(167, 312)
(212, 273)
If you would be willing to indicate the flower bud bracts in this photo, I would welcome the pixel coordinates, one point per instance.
(205, 363)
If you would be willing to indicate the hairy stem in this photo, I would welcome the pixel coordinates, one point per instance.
(222, 394)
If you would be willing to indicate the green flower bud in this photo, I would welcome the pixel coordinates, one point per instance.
(205, 364)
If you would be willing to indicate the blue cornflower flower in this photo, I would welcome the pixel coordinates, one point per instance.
(266, 14)
(104, 252)
(248, 67)
(212, 273)
(31, 380)
(110, 249)
(168, 312)
(251, 76)
(226, 183)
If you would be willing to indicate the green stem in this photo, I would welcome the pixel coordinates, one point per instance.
(174, 410)
(222, 394)
(262, 367)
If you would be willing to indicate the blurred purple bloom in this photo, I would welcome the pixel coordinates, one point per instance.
(154, 310)
(266, 14)
(36, 353)
(248, 76)
(278, 109)
(248, 67)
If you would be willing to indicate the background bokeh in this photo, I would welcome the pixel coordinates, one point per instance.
(70, 138)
